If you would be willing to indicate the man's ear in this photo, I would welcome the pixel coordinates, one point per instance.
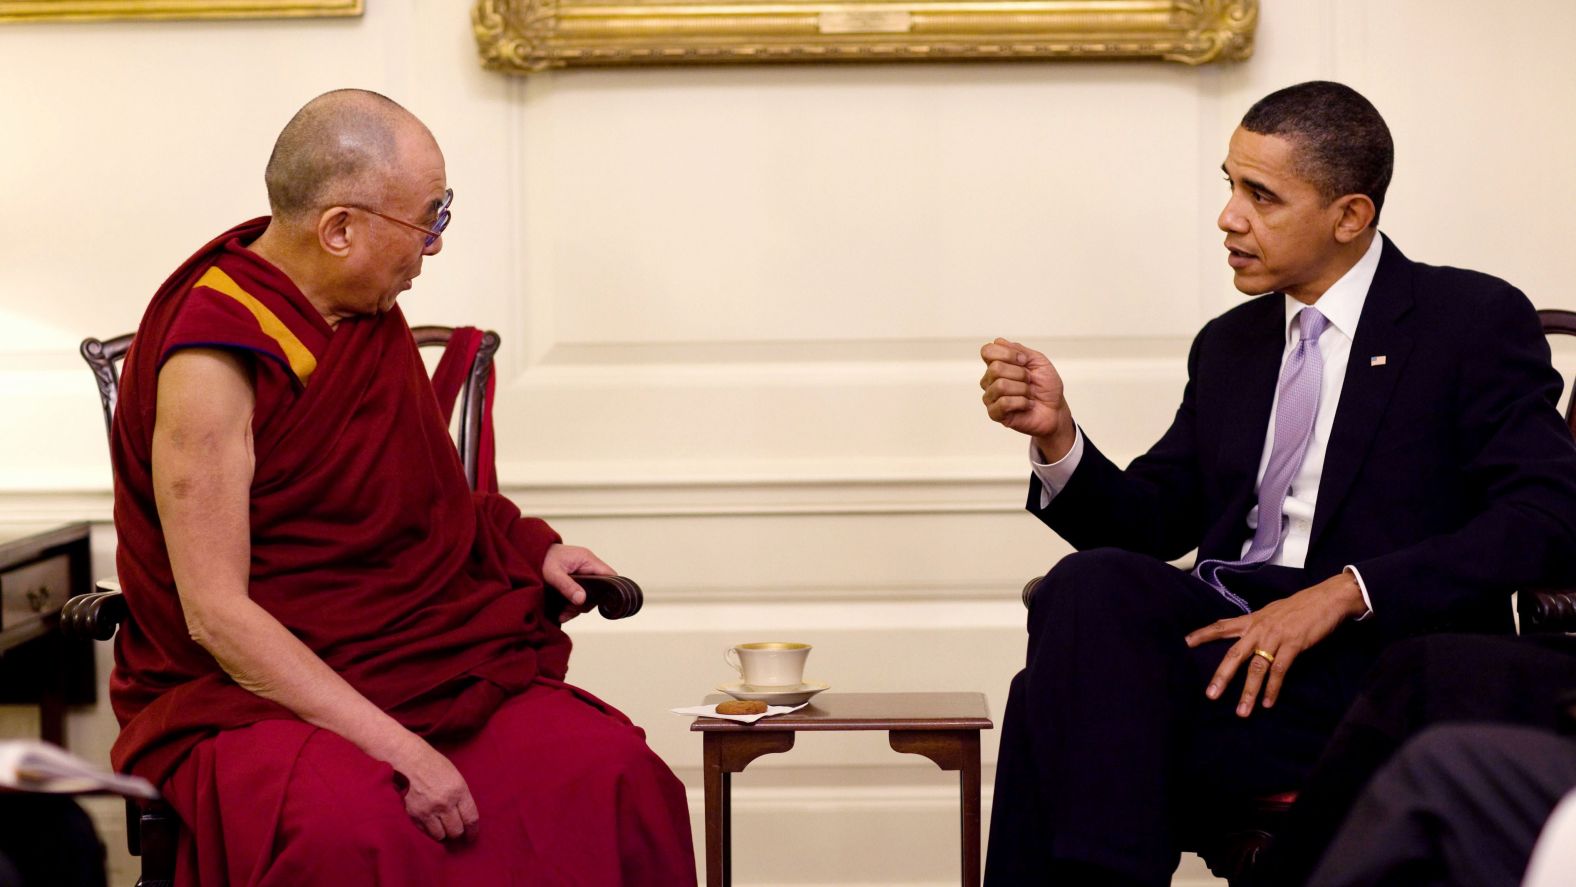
(1356, 213)
(334, 233)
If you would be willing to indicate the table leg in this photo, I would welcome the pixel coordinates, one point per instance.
(52, 689)
(969, 785)
(953, 750)
(718, 787)
(726, 754)
(727, 829)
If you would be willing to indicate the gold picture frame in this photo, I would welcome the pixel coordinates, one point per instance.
(106, 10)
(525, 36)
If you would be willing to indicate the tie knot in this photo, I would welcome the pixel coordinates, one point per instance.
(1312, 323)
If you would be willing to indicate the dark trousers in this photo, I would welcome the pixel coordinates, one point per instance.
(1110, 751)
(1418, 683)
(48, 841)
(1461, 805)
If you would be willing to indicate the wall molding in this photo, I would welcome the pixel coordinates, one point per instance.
(556, 490)
(1167, 352)
(781, 806)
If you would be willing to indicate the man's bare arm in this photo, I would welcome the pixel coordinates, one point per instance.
(202, 477)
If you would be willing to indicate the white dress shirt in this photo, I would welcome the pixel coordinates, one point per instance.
(1342, 306)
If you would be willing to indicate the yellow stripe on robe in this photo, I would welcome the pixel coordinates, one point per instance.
(302, 363)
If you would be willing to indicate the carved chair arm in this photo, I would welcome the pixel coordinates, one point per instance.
(615, 597)
(1028, 590)
(1543, 610)
(98, 614)
(95, 615)
(1547, 610)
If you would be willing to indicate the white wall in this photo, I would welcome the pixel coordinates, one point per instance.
(740, 308)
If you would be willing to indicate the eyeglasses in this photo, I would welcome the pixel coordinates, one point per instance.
(432, 233)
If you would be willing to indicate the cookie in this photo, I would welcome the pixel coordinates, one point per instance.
(741, 707)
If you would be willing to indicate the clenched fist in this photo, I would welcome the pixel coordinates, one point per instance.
(1023, 391)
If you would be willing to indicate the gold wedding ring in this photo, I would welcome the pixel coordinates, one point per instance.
(1266, 655)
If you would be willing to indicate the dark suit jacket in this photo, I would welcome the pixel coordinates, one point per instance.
(1450, 477)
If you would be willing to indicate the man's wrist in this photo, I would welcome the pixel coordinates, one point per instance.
(1362, 589)
(1055, 448)
(395, 746)
(1348, 595)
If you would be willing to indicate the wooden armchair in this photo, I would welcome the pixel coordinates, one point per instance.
(1552, 610)
(1230, 843)
(152, 829)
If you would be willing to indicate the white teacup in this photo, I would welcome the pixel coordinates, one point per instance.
(769, 665)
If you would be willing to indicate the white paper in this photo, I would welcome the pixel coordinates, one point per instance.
(30, 765)
(710, 711)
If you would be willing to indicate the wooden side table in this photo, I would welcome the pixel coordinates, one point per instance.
(944, 727)
(41, 565)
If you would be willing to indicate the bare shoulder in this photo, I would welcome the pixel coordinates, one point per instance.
(205, 387)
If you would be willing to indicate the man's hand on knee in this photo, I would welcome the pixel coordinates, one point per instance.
(1270, 639)
(436, 797)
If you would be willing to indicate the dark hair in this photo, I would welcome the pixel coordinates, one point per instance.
(1342, 144)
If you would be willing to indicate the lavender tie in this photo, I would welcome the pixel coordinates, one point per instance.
(1296, 405)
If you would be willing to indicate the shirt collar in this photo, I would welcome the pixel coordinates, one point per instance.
(1342, 303)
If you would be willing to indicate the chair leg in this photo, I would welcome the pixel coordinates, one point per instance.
(158, 831)
(133, 827)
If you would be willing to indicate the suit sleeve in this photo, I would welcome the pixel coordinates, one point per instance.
(1518, 468)
(1155, 506)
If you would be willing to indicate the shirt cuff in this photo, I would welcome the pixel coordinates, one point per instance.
(1054, 476)
(1362, 587)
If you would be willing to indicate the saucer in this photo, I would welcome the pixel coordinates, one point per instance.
(788, 696)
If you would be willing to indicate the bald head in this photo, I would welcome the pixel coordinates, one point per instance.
(342, 147)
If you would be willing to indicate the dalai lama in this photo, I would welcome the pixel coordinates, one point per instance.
(340, 665)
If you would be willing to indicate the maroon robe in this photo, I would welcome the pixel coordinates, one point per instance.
(368, 545)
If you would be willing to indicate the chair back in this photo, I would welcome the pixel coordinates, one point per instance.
(104, 358)
(1552, 610)
(1558, 322)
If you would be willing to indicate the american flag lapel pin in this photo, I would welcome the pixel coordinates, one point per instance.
(1376, 361)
